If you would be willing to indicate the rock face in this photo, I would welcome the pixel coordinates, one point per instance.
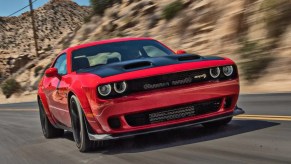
(206, 27)
(53, 21)
(203, 26)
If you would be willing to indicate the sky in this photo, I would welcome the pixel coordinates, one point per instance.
(8, 7)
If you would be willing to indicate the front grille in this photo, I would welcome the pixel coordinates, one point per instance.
(173, 113)
(168, 80)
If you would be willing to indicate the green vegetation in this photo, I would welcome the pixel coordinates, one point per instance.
(87, 18)
(256, 58)
(37, 70)
(9, 87)
(48, 48)
(171, 10)
(99, 6)
(277, 16)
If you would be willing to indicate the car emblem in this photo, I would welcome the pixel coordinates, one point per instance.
(202, 76)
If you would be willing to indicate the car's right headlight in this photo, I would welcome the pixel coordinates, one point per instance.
(104, 90)
(227, 70)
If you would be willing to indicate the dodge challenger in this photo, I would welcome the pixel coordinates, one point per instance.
(120, 88)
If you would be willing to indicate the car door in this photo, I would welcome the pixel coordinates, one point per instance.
(56, 92)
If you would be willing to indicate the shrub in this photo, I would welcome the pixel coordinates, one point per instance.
(9, 87)
(48, 48)
(256, 58)
(172, 9)
(37, 70)
(99, 6)
(2, 20)
(87, 18)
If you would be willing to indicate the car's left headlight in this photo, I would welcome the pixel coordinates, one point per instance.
(112, 90)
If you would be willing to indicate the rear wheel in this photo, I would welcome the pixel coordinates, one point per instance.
(217, 123)
(80, 133)
(48, 130)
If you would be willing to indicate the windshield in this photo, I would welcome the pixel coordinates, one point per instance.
(117, 52)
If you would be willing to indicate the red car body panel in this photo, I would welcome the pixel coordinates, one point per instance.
(55, 91)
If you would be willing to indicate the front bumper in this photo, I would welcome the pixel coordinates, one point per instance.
(161, 99)
(235, 112)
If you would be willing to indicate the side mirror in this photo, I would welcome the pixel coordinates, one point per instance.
(51, 72)
(179, 52)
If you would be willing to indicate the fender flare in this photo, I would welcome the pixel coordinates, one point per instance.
(83, 99)
(41, 98)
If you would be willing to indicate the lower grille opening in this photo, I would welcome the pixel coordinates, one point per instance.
(114, 122)
(227, 103)
(173, 113)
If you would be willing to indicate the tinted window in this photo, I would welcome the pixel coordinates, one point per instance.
(61, 64)
(153, 51)
(117, 52)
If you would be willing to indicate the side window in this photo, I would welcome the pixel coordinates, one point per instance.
(153, 51)
(61, 64)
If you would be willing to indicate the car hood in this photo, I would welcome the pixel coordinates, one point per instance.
(112, 69)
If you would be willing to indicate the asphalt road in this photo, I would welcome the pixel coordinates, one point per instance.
(256, 139)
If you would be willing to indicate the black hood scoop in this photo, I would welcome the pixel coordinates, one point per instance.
(144, 63)
(137, 65)
(189, 57)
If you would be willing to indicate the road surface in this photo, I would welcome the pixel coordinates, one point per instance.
(263, 135)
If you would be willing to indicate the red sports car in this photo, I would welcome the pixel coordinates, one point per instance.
(131, 86)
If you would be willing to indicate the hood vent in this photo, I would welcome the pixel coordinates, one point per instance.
(138, 65)
(189, 57)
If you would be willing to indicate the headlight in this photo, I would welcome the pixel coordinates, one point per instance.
(214, 72)
(120, 87)
(104, 90)
(227, 70)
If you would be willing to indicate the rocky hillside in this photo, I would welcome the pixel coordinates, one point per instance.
(54, 20)
(254, 33)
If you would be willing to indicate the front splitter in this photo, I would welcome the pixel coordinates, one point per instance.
(96, 137)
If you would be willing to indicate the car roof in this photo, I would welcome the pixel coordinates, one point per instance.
(104, 42)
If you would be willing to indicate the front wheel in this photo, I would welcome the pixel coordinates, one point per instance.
(217, 123)
(48, 130)
(80, 133)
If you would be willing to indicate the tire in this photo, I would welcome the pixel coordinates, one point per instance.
(48, 130)
(216, 124)
(79, 128)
